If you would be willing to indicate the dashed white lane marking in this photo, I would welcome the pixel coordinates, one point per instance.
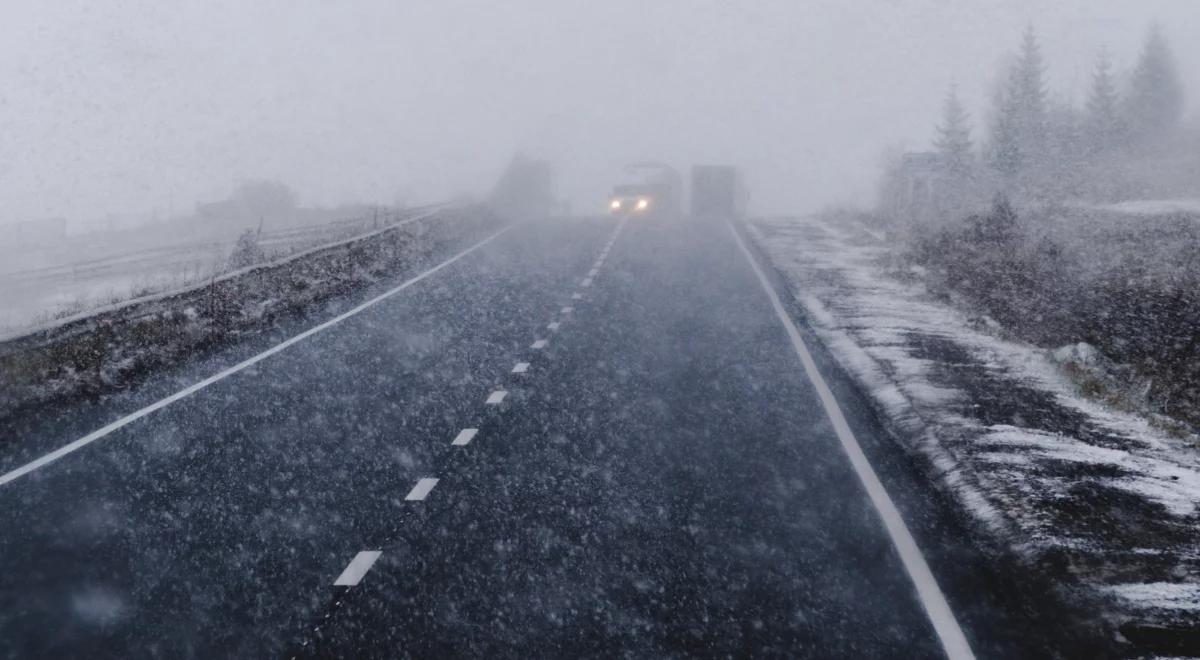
(221, 375)
(587, 281)
(553, 326)
(577, 296)
(421, 490)
(539, 344)
(521, 368)
(592, 272)
(567, 310)
(465, 437)
(357, 568)
(496, 397)
(954, 642)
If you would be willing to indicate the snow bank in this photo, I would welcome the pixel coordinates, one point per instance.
(1052, 474)
(1150, 207)
(116, 346)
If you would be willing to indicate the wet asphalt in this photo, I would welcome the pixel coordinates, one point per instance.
(659, 480)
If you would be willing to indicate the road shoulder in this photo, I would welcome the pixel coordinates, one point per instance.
(1093, 498)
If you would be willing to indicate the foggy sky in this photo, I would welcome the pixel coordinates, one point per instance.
(140, 105)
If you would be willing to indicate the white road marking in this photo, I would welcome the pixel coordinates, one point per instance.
(553, 326)
(592, 272)
(954, 642)
(465, 437)
(521, 368)
(221, 375)
(496, 397)
(421, 490)
(587, 281)
(567, 310)
(577, 296)
(357, 568)
(539, 344)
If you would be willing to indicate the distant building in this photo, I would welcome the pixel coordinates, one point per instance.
(921, 173)
(918, 188)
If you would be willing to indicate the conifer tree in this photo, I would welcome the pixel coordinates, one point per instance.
(1019, 125)
(1155, 102)
(1102, 122)
(953, 141)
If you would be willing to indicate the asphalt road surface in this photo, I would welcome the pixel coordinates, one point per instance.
(580, 437)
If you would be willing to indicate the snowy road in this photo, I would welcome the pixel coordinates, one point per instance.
(576, 439)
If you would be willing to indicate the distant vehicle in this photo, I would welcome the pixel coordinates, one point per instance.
(657, 191)
(717, 190)
(639, 198)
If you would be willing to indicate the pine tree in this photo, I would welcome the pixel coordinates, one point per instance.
(1065, 150)
(953, 140)
(1155, 102)
(1004, 150)
(1102, 124)
(1019, 128)
(1029, 92)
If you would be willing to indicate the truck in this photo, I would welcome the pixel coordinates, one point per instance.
(717, 191)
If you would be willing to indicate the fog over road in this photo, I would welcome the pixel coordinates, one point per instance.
(586, 437)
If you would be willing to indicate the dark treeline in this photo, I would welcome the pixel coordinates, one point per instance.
(1017, 225)
(1125, 141)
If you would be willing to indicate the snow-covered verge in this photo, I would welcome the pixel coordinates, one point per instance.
(77, 275)
(1071, 486)
(115, 346)
(1149, 207)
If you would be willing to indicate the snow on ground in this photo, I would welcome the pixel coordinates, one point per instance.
(91, 271)
(1150, 206)
(1054, 475)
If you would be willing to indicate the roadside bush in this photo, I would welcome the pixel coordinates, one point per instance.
(1135, 297)
(992, 261)
(247, 251)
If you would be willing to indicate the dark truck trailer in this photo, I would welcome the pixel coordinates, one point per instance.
(717, 191)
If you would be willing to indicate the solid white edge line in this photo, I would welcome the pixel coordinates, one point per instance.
(196, 387)
(949, 633)
(420, 491)
(357, 568)
(465, 437)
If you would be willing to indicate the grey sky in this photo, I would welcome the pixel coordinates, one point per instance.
(142, 104)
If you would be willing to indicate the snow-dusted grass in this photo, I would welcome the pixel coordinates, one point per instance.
(1001, 425)
(115, 347)
(1150, 207)
(85, 273)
